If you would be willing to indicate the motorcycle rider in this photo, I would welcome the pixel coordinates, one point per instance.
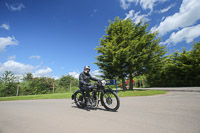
(84, 83)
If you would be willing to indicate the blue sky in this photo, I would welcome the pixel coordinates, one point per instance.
(57, 37)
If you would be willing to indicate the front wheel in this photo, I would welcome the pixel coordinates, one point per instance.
(110, 101)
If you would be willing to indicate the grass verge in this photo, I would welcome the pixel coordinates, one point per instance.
(129, 93)
(68, 95)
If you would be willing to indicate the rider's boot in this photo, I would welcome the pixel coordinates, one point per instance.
(88, 102)
(92, 104)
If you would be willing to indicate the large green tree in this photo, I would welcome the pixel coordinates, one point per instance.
(195, 56)
(67, 81)
(8, 84)
(28, 77)
(178, 69)
(128, 50)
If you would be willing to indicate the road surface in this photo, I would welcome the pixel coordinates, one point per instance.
(174, 112)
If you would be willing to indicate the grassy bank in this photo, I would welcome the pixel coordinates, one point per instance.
(68, 95)
(139, 93)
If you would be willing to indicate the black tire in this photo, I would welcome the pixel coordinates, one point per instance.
(110, 101)
(79, 100)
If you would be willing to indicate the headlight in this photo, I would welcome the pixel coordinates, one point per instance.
(103, 82)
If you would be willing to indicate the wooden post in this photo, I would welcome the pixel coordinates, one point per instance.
(53, 88)
(17, 94)
(70, 87)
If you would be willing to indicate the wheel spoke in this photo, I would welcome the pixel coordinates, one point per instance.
(110, 100)
(79, 100)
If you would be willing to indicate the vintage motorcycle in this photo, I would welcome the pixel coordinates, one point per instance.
(108, 97)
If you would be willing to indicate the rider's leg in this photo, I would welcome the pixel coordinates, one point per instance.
(91, 97)
(87, 97)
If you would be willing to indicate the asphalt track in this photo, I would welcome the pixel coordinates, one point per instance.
(174, 112)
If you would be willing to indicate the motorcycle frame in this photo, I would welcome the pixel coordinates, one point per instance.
(99, 90)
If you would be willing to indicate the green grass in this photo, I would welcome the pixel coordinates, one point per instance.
(68, 95)
(129, 93)
(42, 96)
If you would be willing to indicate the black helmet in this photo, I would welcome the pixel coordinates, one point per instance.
(86, 69)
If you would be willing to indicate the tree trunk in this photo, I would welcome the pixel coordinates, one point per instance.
(131, 82)
(123, 84)
(17, 94)
(70, 87)
(53, 88)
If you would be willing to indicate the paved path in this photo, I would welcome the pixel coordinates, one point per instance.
(174, 112)
(183, 89)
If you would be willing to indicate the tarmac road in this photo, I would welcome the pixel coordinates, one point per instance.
(174, 112)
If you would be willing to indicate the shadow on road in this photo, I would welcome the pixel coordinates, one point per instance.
(92, 109)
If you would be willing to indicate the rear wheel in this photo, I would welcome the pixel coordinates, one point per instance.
(79, 100)
(110, 100)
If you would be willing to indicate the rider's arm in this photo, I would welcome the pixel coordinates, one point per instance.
(93, 78)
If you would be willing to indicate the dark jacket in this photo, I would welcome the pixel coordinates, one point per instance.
(84, 79)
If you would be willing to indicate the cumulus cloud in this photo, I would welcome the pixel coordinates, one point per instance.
(6, 41)
(74, 74)
(35, 57)
(43, 72)
(125, 4)
(167, 9)
(96, 73)
(15, 67)
(20, 69)
(136, 17)
(145, 4)
(15, 7)
(11, 57)
(5, 26)
(187, 16)
(188, 34)
(55, 77)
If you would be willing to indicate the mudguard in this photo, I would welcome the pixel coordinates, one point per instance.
(78, 91)
(108, 90)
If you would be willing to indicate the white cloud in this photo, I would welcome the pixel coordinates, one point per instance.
(6, 41)
(136, 17)
(187, 16)
(125, 4)
(74, 74)
(96, 73)
(55, 77)
(15, 7)
(188, 34)
(43, 72)
(93, 13)
(167, 9)
(35, 56)
(20, 69)
(11, 57)
(5, 26)
(146, 4)
(15, 67)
